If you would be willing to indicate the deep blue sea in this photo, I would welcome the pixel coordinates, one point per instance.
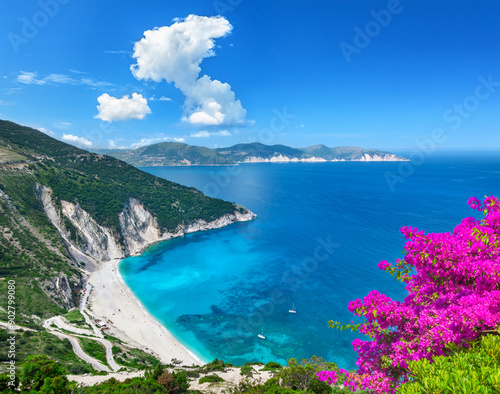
(320, 232)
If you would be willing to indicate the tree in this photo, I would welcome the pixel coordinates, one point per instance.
(39, 371)
(302, 376)
(174, 382)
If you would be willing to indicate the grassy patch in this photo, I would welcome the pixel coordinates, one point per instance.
(94, 349)
(29, 300)
(40, 342)
(8, 155)
(74, 317)
(134, 358)
(211, 379)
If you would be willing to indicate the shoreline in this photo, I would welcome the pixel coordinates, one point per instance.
(113, 302)
(270, 161)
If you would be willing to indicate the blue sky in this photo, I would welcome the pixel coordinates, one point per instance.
(377, 74)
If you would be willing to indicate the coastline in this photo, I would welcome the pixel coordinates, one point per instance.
(113, 302)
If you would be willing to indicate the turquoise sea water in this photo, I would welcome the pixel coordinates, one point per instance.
(322, 229)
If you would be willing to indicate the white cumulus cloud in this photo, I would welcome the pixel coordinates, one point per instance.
(174, 54)
(111, 108)
(77, 140)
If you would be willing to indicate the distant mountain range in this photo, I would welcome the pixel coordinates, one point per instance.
(179, 154)
(167, 154)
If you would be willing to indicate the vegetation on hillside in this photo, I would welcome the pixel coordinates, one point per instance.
(168, 154)
(242, 152)
(178, 154)
(102, 185)
(29, 343)
(32, 253)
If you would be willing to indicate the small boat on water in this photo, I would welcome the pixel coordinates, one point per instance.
(293, 309)
(261, 335)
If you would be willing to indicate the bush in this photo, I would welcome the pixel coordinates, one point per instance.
(473, 370)
(193, 374)
(211, 379)
(40, 374)
(174, 382)
(272, 366)
(247, 369)
(216, 365)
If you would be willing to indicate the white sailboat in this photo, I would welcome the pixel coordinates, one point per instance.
(293, 309)
(261, 335)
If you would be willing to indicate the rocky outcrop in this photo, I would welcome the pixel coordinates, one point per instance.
(138, 228)
(386, 157)
(96, 241)
(223, 221)
(59, 287)
(314, 159)
(284, 159)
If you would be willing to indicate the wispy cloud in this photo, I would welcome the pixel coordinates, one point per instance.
(112, 144)
(31, 78)
(148, 141)
(63, 125)
(206, 134)
(119, 52)
(162, 98)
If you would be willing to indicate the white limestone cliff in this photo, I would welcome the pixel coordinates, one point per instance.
(139, 229)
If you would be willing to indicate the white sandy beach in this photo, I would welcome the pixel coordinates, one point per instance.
(112, 301)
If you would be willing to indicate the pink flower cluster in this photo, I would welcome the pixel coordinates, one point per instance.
(453, 281)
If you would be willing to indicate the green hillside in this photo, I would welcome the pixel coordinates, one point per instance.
(240, 152)
(31, 249)
(168, 154)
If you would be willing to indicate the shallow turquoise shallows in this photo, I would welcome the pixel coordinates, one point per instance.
(322, 229)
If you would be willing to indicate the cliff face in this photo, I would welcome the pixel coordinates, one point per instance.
(284, 159)
(93, 244)
(314, 159)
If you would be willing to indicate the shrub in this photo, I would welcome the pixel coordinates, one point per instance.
(247, 369)
(473, 370)
(272, 366)
(453, 281)
(211, 379)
